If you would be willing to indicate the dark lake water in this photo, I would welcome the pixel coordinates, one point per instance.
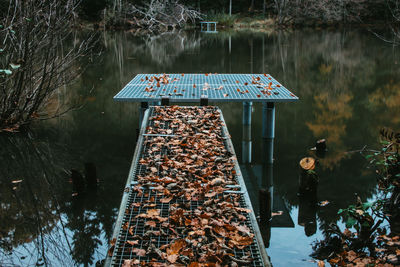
(349, 87)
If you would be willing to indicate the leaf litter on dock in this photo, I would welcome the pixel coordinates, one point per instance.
(205, 224)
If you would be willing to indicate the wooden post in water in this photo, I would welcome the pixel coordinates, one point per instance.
(91, 175)
(78, 184)
(308, 182)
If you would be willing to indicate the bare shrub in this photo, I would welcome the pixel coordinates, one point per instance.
(159, 14)
(38, 55)
(326, 11)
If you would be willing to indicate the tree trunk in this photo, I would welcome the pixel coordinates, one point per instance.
(251, 8)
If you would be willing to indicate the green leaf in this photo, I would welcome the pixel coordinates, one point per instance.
(15, 66)
(1, 50)
(351, 221)
(367, 205)
(28, 19)
(398, 175)
(368, 156)
(340, 211)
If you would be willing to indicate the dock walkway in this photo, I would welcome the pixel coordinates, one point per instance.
(185, 201)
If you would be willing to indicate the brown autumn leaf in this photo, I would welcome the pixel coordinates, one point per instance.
(129, 263)
(244, 229)
(236, 240)
(151, 223)
(166, 199)
(321, 264)
(278, 213)
(243, 209)
(111, 249)
(152, 213)
(220, 230)
(131, 232)
(211, 194)
(174, 248)
(139, 252)
(351, 255)
(217, 181)
(132, 242)
(334, 261)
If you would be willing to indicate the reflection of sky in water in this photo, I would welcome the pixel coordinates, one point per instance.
(348, 87)
(289, 245)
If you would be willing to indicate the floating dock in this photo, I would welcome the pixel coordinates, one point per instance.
(185, 202)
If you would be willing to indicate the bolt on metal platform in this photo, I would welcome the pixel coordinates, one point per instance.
(139, 241)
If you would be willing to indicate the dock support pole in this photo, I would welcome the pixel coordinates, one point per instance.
(246, 140)
(203, 100)
(268, 129)
(165, 101)
(142, 108)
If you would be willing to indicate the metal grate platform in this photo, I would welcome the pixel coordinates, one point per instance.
(145, 190)
(216, 87)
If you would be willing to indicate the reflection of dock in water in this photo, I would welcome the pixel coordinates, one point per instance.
(252, 174)
(259, 178)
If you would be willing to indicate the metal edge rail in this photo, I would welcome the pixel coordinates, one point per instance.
(132, 171)
(211, 100)
(253, 220)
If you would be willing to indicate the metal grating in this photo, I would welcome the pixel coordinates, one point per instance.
(217, 87)
(144, 194)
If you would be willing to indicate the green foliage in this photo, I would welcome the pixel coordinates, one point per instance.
(357, 215)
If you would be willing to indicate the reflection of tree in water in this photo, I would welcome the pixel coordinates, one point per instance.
(335, 74)
(39, 225)
(385, 100)
(164, 48)
(331, 114)
(30, 217)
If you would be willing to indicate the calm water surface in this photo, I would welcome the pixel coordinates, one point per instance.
(349, 86)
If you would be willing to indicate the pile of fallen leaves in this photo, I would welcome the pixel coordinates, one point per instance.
(385, 254)
(186, 207)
